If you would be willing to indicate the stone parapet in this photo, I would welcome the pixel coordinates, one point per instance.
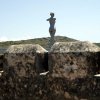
(70, 77)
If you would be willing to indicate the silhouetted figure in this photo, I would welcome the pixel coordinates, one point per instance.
(52, 29)
(52, 21)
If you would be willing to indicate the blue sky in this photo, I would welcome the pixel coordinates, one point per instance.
(25, 19)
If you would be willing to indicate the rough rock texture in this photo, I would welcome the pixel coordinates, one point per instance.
(78, 46)
(76, 63)
(74, 72)
(26, 48)
(25, 60)
(70, 77)
(20, 67)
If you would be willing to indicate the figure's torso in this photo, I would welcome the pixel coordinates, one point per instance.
(52, 22)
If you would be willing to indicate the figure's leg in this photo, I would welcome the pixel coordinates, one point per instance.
(52, 32)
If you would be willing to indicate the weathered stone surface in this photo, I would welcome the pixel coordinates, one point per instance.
(78, 46)
(76, 63)
(20, 68)
(77, 71)
(26, 48)
(70, 77)
(25, 59)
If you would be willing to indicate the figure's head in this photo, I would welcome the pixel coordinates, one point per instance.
(52, 14)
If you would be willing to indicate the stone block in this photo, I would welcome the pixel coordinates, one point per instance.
(25, 60)
(73, 65)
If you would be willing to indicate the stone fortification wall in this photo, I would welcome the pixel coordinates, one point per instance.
(71, 67)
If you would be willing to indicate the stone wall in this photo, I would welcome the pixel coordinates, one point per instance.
(76, 72)
(73, 66)
(70, 77)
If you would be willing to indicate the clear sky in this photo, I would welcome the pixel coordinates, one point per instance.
(25, 19)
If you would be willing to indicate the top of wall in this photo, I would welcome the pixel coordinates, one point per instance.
(26, 48)
(78, 46)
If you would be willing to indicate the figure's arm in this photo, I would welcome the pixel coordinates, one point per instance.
(48, 19)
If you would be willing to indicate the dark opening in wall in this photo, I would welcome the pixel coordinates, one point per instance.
(41, 62)
(45, 62)
(1, 62)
